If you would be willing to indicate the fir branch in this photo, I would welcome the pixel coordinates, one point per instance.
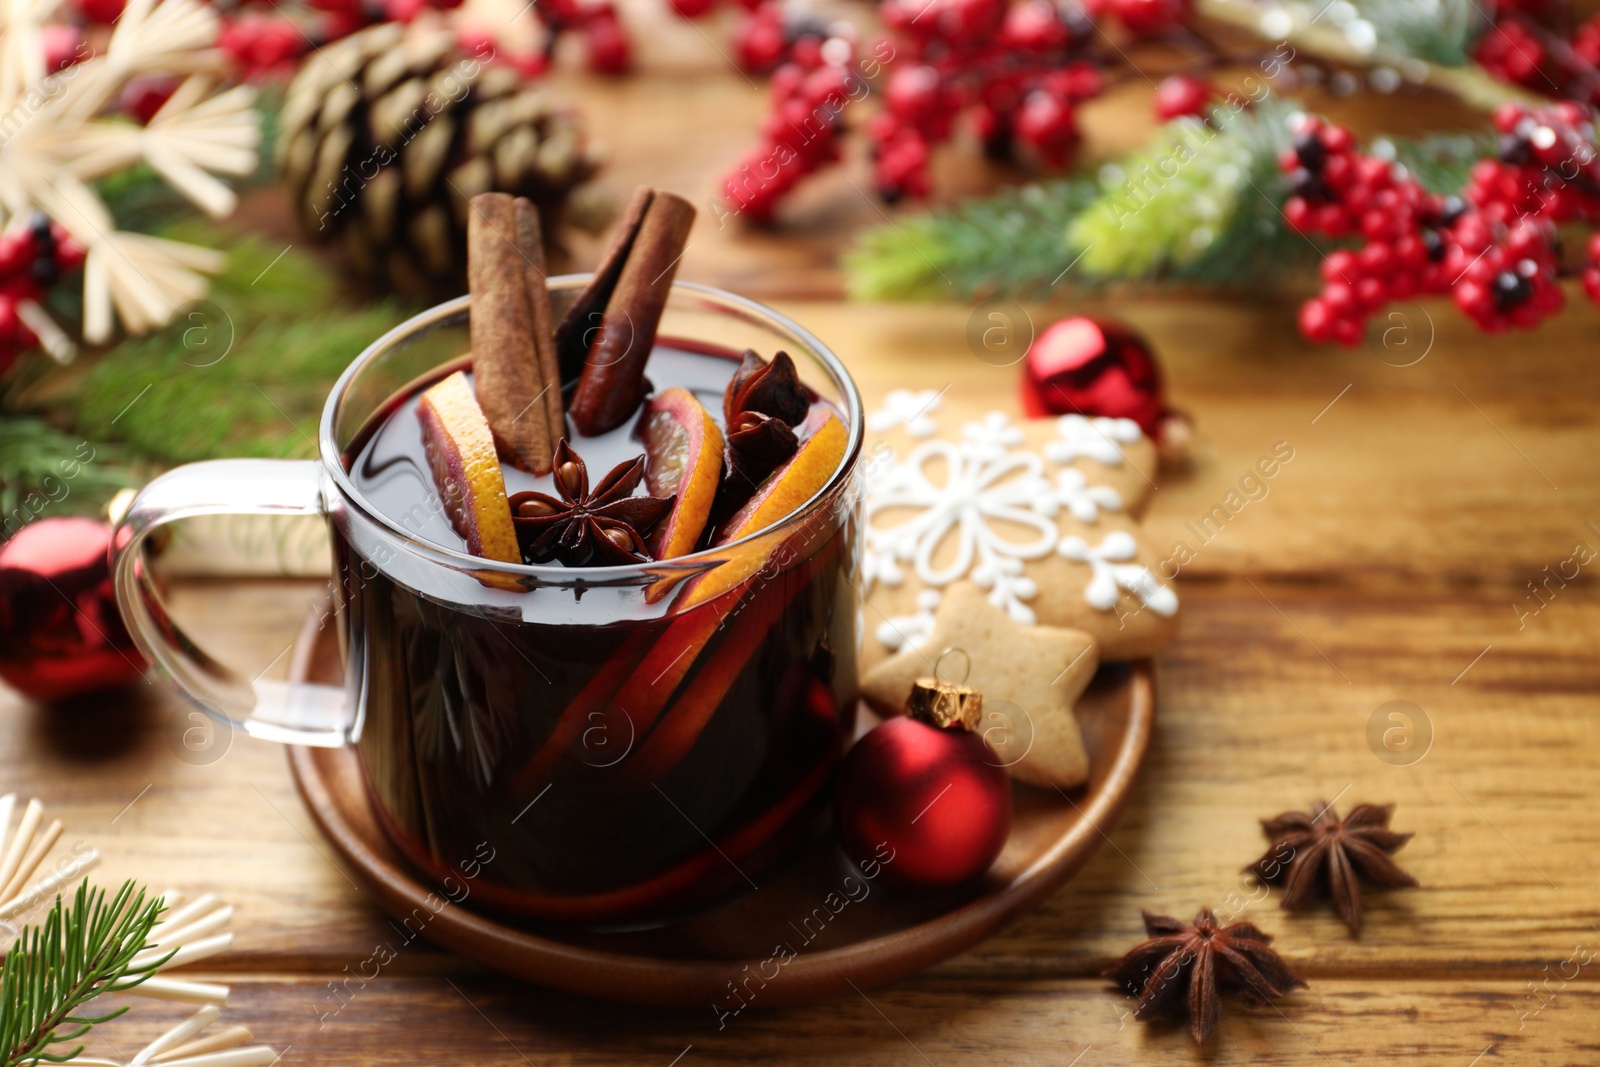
(40, 467)
(52, 972)
(1310, 34)
(1439, 31)
(1186, 207)
(1012, 244)
(1203, 205)
(243, 374)
(1442, 162)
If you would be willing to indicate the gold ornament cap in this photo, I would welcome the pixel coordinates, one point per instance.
(945, 704)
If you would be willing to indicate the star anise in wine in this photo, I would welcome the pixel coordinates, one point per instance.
(761, 406)
(1185, 968)
(582, 528)
(773, 389)
(1317, 849)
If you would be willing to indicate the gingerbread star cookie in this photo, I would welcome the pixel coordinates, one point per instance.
(1041, 515)
(1030, 677)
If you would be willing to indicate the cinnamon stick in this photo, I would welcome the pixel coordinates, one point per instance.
(582, 320)
(508, 375)
(531, 241)
(611, 386)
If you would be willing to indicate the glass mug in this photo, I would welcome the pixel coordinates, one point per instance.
(628, 759)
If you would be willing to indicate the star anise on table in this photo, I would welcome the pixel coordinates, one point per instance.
(604, 527)
(1184, 969)
(1316, 849)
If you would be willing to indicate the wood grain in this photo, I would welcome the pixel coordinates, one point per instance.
(1253, 720)
(936, 1018)
(1388, 561)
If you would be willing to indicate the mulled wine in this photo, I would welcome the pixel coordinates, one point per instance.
(620, 768)
(594, 547)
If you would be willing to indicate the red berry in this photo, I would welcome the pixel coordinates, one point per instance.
(1378, 258)
(1151, 16)
(1033, 25)
(16, 251)
(1338, 172)
(1181, 94)
(104, 12)
(1475, 299)
(693, 9)
(63, 46)
(403, 10)
(1340, 266)
(69, 253)
(609, 49)
(1331, 220)
(913, 94)
(1372, 293)
(145, 94)
(1341, 299)
(1338, 140)
(759, 42)
(1506, 117)
(1046, 123)
(1316, 321)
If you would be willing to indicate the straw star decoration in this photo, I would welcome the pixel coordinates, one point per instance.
(183, 933)
(56, 138)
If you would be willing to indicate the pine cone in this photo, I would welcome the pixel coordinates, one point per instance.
(386, 134)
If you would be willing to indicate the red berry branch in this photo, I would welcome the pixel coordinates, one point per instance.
(1494, 249)
(1532, 43)
(34, 254)
(1018, 69)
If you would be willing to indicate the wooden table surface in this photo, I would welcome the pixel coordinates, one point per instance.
(1391, 560)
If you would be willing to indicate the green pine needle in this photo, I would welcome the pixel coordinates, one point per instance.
(1009, 244)
(1441, 31)
(44, 469)
(243, 374)
(1201, 205)
(53, 971)
(1179, 209)
(1442, 162)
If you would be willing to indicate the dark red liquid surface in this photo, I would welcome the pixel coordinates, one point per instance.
(483, 724)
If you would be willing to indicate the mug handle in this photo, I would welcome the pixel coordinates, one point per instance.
(294, 713)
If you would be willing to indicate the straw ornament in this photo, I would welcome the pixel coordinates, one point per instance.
(56, 138)
(34, 871)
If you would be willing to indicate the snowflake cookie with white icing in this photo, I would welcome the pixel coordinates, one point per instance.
(1040, 514)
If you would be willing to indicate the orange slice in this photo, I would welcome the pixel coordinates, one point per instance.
(466, 470)
(640, 687)
(684, 447)
(780, 496)
(692, 708)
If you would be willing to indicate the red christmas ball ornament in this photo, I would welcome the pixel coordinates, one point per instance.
(60, 633)
(1090, 366)
(930, 802)
(1093, 367)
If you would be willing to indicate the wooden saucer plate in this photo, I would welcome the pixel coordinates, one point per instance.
(806, 931)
